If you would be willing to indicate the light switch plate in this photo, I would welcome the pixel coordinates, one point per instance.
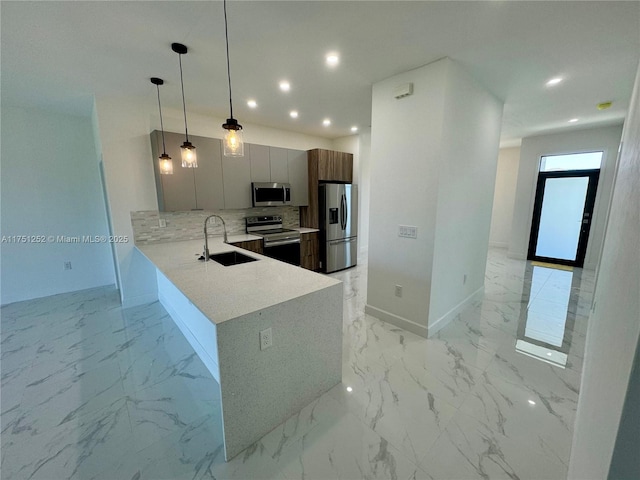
(407, 231)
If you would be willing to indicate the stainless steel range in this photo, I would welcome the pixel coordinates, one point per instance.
(279, 243)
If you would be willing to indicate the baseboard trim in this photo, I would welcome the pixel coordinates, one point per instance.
(445, 319)
(396, 320)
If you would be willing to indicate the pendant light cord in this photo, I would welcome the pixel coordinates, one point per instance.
(226, 36)
(184, 107)
(164, 149)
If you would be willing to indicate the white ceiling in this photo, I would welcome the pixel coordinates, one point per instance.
(58, 54)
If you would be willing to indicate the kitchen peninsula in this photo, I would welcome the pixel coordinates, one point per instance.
(222, 310)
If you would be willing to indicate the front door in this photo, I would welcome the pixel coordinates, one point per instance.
(562, 216)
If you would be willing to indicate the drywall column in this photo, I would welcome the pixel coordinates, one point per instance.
(433, 161)
(614, 324)
(604, 139)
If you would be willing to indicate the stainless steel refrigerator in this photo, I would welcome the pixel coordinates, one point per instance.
(338, 226)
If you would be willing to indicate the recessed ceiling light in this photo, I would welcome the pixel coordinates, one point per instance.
(573, 120)
(252, 103)
(332, 59)
(531, 402)
(554, 81)
(549, 353)
(285, 86)
(326, 122)
(349, 389)
(293, 114)
(354, 129)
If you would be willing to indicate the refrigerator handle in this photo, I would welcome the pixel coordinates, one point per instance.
(346, 211)
(343, 207)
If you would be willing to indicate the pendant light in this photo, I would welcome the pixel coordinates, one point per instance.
(188, 151)
(232, 140)
(166, 164)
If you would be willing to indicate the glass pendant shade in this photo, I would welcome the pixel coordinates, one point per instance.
(164, 161)
(233, 143)
(166, 164)
(189, 157)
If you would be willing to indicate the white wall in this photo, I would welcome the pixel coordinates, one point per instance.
(426, 175)
(614, 324)
(51, 187)
(504, 196)
(364, 185)
(606, 139)
(471, 136)
(123, 127)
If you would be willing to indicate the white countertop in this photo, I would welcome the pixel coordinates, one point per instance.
(306, 230)
(239, 237)
(224, 293)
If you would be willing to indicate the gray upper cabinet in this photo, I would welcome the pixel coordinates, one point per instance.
(260, 164)
(236, 177)
(298, 177)
(224, 182)
(279, 165)
(189, 188)
(208, 175)
(175, 192)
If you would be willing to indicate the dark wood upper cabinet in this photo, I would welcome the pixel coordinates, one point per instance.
(324, 166)
(333, 166)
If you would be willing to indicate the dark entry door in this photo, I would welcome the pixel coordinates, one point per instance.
(562, 216)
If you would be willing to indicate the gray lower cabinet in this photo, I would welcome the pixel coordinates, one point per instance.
(298, 177)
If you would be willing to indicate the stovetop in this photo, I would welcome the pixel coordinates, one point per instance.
(269, 227)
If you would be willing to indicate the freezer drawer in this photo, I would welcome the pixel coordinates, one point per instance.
(341, 254)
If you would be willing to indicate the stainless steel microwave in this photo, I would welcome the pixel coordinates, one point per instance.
(271, 194)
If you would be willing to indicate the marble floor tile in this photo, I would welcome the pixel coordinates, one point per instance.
(194, 452)
(93, 391)
(470, 449)
(518, 414)
(400, 409)
(343, 448)
(76, 449)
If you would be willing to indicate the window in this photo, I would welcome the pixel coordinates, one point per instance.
(574, 161)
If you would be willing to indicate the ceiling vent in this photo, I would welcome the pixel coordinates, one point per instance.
(404, 90)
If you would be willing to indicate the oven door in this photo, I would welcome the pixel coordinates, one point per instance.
(285, 251)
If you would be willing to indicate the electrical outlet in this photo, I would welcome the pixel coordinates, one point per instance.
(266, 339)
(162, 222)
(399, 291)
(67, 265)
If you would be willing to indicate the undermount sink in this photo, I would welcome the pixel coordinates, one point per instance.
(231, 258)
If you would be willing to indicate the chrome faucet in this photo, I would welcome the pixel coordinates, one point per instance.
(206, 237)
